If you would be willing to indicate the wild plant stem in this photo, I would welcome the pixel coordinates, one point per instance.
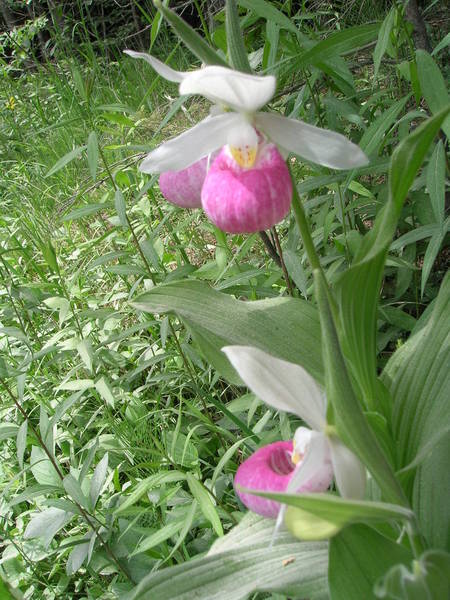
(270, 247)
(283, 265)
(303, 227)
(344, 226)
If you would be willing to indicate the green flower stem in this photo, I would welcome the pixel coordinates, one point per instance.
(313, 257)
(303, 227)
(351, 423)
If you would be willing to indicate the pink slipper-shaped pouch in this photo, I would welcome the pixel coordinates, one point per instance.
(184, 188)
(270, 469)
(247, 200)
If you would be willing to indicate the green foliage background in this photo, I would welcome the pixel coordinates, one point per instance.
(143, 417)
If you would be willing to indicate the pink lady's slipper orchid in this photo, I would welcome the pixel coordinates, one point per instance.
(309, 462)
(233, 199)
(184, 187)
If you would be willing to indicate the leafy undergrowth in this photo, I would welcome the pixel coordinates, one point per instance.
(143, 433)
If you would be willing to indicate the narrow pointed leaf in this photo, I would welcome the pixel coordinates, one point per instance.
(98, 479)
(235, 40)
(383, 39)
(65, 160)
(433, 86)
(434, 245)
(92, 154)
(268, 11)
(205, 503)
(340, 42)
(436, 181)
(21, 442)
(406, 161)
(190, 37)
(119, 203)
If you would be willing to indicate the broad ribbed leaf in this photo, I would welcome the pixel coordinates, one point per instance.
(358, 288)
(428, 578)
(241, 563)
(418, 376)
(357, 292)
(285, 327)
(359, 555)
(430, 492)
(350, 420)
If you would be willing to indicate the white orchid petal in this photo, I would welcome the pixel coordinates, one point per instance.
(301, 440)
(315, 461)
(315, 468)
(195, 143)
(240, 91)
(349, 472)
(242, 134)
(280, 384)
(160, 67)
(320, 146)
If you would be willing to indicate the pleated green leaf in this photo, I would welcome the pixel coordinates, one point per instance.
(350, 420)
(418, 376)
(285, 327)
(359, 556)
(357, 290)
(241, 563)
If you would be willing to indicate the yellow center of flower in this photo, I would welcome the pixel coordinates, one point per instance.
(296, 457)
(245, 156)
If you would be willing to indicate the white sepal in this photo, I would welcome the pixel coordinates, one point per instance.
(280, 384)
(192, 145)
(349, 472)
(242, 134)
(320, 146)
(316, 459)
(240, 91)
(160, 67)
